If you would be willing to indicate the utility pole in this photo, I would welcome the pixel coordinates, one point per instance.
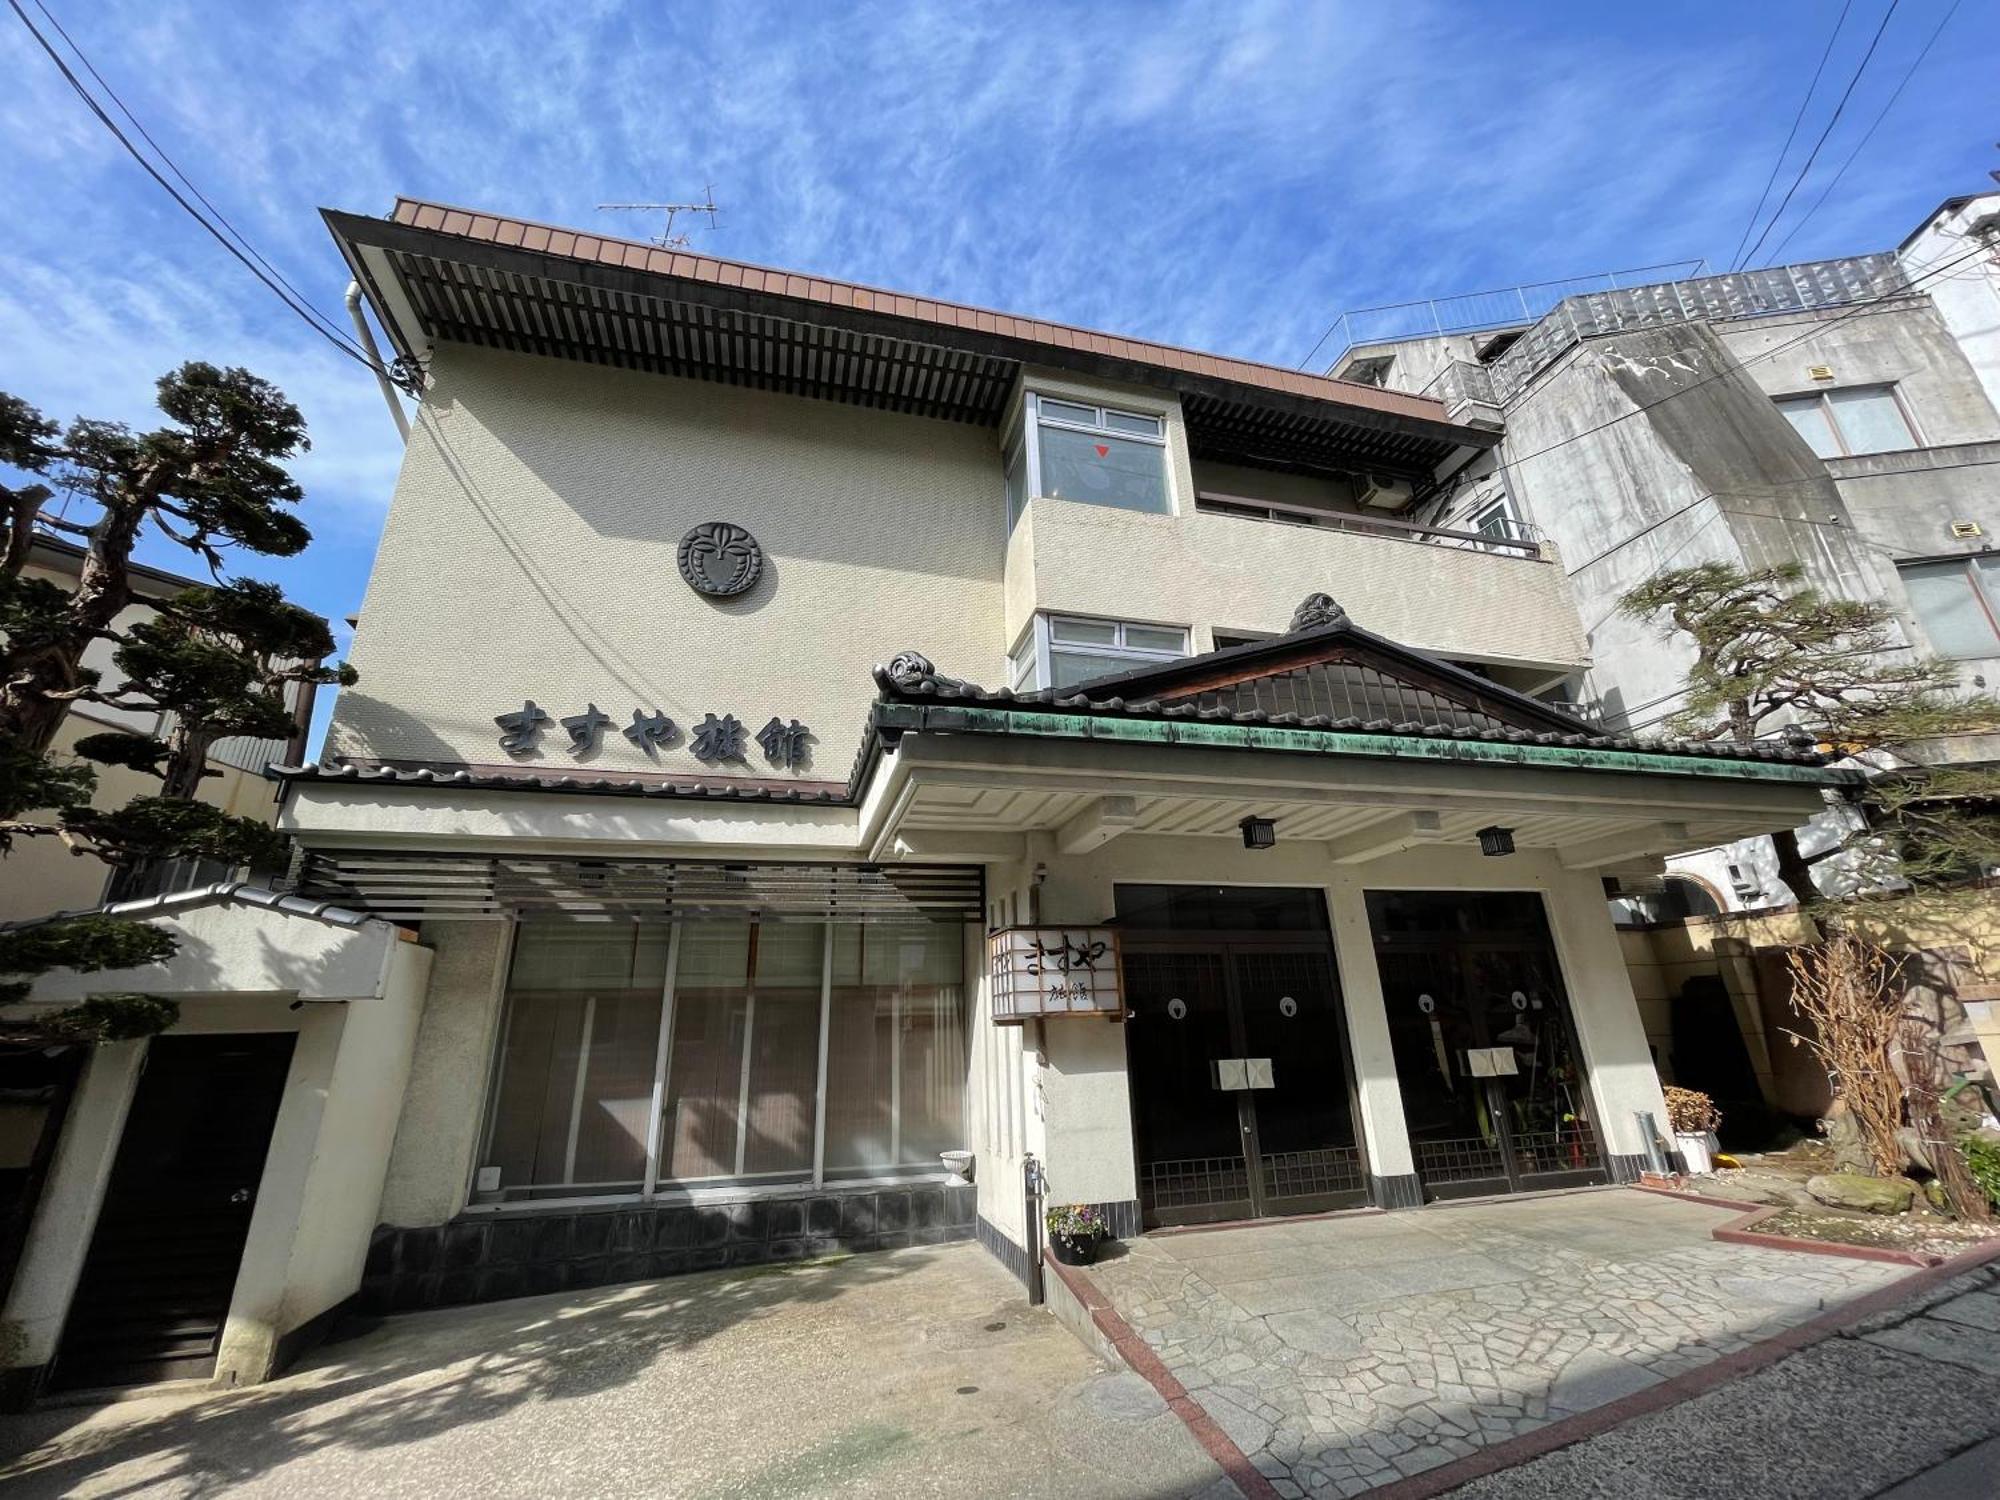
(666, 239)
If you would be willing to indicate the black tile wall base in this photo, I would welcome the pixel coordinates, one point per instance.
(490, 1257)
(1014, 1257)
(1405, 1190)
(1123, 1217)
(1628, 1168)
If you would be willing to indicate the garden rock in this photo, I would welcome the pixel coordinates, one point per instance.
(1869, 1195)
(1754, 1187)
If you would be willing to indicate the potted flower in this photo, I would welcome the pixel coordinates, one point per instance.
(1694, 1118)
(1075, 1232)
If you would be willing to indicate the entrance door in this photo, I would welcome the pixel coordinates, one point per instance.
(162, 1264)
(1241, 1092)
(1488, 1067)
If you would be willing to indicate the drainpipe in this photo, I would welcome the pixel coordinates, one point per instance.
(1031, 1187)
(367, 337)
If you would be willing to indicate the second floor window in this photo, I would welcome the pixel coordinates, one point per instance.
(1096, 454)
(1957, 601)
(1063, 650)
(1859, 419)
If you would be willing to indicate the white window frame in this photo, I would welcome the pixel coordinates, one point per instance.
(1047, 647)
(1829, 415)
(1033, 419)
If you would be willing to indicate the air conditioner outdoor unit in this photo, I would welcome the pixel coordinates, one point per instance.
(1383, 491)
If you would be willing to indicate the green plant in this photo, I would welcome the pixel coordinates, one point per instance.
(1692, 1111)
(1982, 1156)
(1077, 1221)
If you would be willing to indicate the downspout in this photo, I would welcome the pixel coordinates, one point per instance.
(367, 337)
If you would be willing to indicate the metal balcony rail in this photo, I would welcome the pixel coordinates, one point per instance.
(1508, 537)
(1501, 307)
(1804, 287)
(1742, 294)
(1461, 381)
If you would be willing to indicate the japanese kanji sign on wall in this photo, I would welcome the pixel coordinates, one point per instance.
(1055, 971)
(714, 739)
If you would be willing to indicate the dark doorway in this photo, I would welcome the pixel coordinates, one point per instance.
(1487, 1063)
(1242, 1097)
(36, 1085)
(162, 1264)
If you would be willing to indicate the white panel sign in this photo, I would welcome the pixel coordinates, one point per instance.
(1230, 1073)
(1258, 1072)
(1055, 971)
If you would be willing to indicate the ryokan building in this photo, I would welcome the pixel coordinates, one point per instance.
(805, 729)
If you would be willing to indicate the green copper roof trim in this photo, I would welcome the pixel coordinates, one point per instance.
(910, 716)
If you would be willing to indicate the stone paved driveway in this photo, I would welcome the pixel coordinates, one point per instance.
(1341, 1354)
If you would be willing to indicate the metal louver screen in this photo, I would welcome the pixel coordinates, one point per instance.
(443, 887)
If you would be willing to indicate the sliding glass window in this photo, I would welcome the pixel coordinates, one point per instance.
(576, 1061)
(780, 1052)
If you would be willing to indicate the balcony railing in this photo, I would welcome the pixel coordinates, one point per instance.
(1508, 538)
(1593, 310)
(1462, 381)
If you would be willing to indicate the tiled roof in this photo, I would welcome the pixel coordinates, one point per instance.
(503, 779)
(638, 255)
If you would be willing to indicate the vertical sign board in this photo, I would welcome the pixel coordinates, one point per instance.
(1055, 971)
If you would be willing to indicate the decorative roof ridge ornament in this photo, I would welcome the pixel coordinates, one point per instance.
(1317, 612)
(908, 669)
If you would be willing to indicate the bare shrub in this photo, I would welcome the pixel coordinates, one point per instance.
(1842, 987)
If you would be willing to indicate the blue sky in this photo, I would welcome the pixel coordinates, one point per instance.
(1228, 176)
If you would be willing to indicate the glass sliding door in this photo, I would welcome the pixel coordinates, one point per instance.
(895, 1065)
(743, 1073)
(576, 1061)
(775, 1052)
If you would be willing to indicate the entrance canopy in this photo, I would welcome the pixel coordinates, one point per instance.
(1330, 732)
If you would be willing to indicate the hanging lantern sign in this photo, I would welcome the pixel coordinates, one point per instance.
(1055, 971)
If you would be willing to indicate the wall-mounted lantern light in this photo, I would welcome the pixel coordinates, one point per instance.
(1496, 841)
(1259, 833)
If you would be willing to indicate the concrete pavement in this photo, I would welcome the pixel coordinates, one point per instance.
(1348, 1353)
(917, 1372)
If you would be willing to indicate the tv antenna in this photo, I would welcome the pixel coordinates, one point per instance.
(666, 239)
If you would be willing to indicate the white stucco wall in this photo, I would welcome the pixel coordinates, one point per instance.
(444, 1108)
(352, 996)
(1968, 295)
(530, 553)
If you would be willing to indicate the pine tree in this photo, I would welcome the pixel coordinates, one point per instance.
(1772, 654)
(212, 661)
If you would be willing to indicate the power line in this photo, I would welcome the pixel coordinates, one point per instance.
(1790, 136)
(1869, 135)
(1814, 332)
(174, 167)
(304, 312)
(1846, 94)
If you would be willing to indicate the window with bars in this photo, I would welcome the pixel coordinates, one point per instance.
(780, 1052)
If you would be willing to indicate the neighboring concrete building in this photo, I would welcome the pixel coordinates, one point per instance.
(828, 738)
(1839, 414)
(42, 875)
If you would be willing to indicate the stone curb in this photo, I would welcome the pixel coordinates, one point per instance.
(1742, 1230)
(1900, 1297)
(1139, 1355)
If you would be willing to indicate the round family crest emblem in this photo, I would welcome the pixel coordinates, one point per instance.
(720, 559)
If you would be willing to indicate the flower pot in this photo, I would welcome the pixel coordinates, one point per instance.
(1697, 1151)
(1075, 1250)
